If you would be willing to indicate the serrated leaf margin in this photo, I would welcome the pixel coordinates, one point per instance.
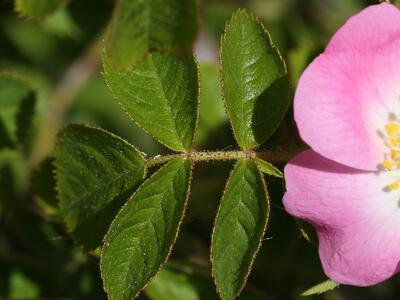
(261, 237)
(178, 227)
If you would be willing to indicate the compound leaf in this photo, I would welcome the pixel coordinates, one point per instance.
(161, 95)
(143, 233)
(239, 228)
(96, 172)
(255, 84)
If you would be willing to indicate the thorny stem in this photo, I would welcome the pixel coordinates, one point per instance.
(277, 156)
(70, 84)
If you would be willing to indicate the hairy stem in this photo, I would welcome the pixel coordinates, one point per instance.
(220, 155)
(200, 156)
(277, 156)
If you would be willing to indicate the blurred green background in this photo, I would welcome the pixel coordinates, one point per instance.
(38, 259)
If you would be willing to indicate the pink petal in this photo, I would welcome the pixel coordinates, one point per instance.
(343, 101)
(357, 219)
(372, 28)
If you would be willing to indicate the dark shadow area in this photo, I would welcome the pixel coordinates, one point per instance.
(270, 108)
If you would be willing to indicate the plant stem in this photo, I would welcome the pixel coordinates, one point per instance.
(220, 155)
(201, 156)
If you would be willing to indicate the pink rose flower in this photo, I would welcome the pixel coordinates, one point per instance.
(347, 108)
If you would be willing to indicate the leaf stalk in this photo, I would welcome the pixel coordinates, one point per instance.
(275, 155)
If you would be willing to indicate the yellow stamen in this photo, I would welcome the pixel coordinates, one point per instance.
(394, 154)
(394, 186)
(387, 164)
(391, 139)
(394, 141)
(392, 129)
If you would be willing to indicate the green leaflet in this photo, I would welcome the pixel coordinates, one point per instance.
(268, 168)
(307, 232)
(17, 107)
(138, 27)
(161, 95)
(38, 8)
(179, 281)
(239, 228)
(255, 84)
(187, 281)
(96, 172)
(62, 25)
(22, 287)
(141, 236)
(158, 91)
(321, 288)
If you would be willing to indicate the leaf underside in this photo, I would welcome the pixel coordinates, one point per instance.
(141, 236)
(239, 228)
(96, 173)
(255, 84)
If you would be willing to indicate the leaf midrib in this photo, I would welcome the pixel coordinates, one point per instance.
(149, 220)
(169, 106)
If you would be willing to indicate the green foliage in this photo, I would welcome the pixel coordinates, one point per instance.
(21, 287)
(150, 69)
(38, 8)
(239, 228)
(268, 168)
(161, 96)
(254, 79)
(62, 24)
(12, 95)
(18, 104)
(182, 281)
(138, 27)
(321, 288)
(143, 233)
(96, 173)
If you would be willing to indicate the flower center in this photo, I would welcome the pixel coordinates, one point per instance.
(392, 157)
